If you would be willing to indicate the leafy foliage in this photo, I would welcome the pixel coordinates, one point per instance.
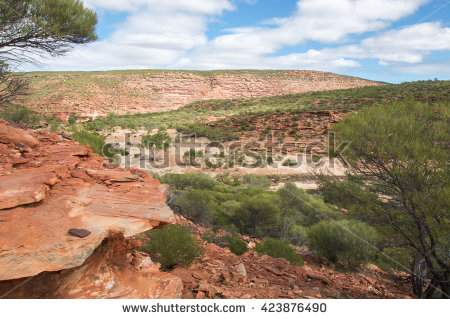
(249, 209)
(401, 153)
(345, 240)
(21, 115)
(172, 245)
(50, 26)
(257, 214)
(237, 246)
(160, 140)
(94, 140)
(279, 249)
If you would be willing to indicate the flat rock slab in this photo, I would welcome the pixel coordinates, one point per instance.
(18, 190)
(113, 175)
(73, 150)
(36, 239)
(15, 136)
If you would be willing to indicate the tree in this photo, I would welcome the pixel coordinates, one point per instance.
(401, 152)
(32, 28)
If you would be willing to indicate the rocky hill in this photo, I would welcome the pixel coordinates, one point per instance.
(68, 222)
(92, 94)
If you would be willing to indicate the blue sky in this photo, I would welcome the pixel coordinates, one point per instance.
(387, 40)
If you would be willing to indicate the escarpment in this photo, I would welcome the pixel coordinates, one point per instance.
(50, 184)
(92, 94)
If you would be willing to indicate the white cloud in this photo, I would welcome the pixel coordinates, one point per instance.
(191, 6)
(324, 21)
(437, 69)
(172, 34)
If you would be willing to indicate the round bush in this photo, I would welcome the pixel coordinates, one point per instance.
(346, 240)
(279, 249)
(172, 245)
(237, 246)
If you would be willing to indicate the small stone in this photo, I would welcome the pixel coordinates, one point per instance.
(81, 233)
(200, 295)
(240, 269)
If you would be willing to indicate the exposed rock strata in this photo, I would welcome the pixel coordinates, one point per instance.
(53, 184)
(97, 94)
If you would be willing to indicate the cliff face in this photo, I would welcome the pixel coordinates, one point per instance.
(96, 94)
(50, 185)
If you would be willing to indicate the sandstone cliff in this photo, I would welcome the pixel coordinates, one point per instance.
(50, 185)
(91, 94)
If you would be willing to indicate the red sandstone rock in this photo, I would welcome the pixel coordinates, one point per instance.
(24, 189)
(11, 135)
(170, 90)
(68, 191)
(105, 274)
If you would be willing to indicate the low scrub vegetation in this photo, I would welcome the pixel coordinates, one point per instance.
(172, 245)
(351, 242)
(236, 245)
(160, 140)
(94, 140)
(23, 116)
(244, 204)
(193, 118)
(279, 249)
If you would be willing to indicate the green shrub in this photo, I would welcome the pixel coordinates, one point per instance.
(191, 155)
(344, 240)
(17, 114)
(160, 140)
(279, 249)
(196, 204)
(94, 140)
(253, 180)
(258, 215)
(172, 245)
(183, 181)
(208, 236)
(54, 125)
(72, 119)
(237, 246)
(289, 162)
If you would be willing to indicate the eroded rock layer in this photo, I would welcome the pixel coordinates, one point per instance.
(50, 184)
(97, 94)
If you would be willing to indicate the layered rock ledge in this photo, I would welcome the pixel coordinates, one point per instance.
(50, 184)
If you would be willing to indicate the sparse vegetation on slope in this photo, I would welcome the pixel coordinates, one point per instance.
(234, 118)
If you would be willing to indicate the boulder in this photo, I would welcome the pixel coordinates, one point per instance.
(12, 135)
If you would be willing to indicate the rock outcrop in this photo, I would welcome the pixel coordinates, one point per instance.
(50, 184)
(97, 94)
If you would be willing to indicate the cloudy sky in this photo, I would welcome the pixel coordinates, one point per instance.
(389, 40)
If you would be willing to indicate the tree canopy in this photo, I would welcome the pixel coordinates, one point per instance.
(401, 153)
(29, 27)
